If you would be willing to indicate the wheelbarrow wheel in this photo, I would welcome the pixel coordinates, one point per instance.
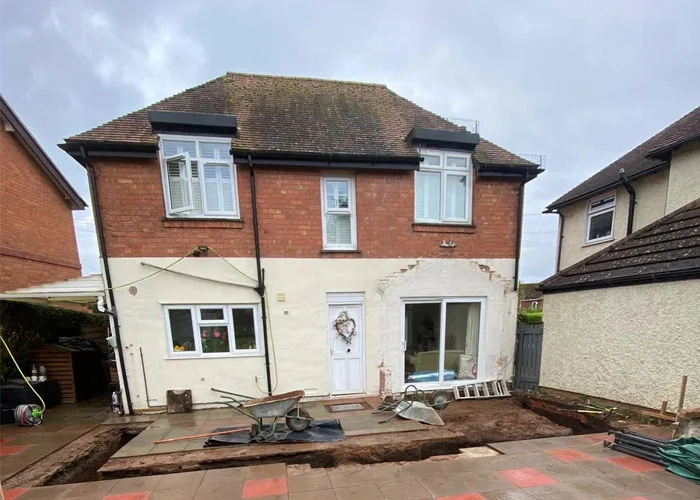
(298, 419)
(439, 400)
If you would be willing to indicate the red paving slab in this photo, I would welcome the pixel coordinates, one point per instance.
(141, 495)
(12, 449)
(468, 496)
(254, 488)
(595, 438)
(634, 464)
(12, 494)
(570, 455)
(527, 477)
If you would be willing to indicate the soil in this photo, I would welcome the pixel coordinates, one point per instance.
(79, 460)
(468, 423)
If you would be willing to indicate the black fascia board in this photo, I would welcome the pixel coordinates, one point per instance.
(327, 160)
(446, 139)
(192, 123)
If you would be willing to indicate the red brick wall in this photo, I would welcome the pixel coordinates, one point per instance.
(37, 239)
(289, 211)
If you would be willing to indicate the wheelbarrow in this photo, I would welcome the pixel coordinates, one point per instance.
(275, 407)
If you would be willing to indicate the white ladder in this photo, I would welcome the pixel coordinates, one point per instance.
(496, 388)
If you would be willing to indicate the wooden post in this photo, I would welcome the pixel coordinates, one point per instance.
(681, 398)
(664, 404)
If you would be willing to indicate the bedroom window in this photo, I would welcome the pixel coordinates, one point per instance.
(212, 331)
(443, 188)
(339, 218)
(600, 219)
(199, 178)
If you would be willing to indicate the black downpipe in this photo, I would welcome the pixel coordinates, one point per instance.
(519, 231)
(633, 199)
(561, 240)
(261, 273)
(92, 180)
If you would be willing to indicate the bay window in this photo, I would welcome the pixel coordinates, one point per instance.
(443, 188)
(199, 178)
(212, 330)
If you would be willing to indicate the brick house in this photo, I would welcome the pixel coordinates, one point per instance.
(37, 238)
(337, 239)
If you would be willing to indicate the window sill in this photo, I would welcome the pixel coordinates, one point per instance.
(330, 252)
(255, 354)
(597, 242)
(201, 222)
(443, 227)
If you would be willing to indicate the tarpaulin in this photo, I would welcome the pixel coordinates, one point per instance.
(319, 431)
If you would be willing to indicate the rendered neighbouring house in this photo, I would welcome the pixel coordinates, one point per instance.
(387, 239)
(37, 238)
(623, 322)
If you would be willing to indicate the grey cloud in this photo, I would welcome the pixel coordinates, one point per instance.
(581, 83)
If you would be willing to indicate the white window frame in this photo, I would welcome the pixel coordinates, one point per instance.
(594, 212)
(207, 214)
(197, 322)
(443, 301)
(351, 210)
(444, 171)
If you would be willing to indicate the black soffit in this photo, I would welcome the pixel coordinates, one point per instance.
(192, 123)
(461, 140)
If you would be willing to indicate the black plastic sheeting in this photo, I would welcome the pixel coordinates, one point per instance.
(320, 431)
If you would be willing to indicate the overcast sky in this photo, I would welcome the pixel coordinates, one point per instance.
(579, 82)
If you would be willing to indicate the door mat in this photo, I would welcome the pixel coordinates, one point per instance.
(338, 408)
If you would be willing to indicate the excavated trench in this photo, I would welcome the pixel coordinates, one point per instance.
(468, 425)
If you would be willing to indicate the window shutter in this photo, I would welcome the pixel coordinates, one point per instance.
(339, 229)
(196, 191)
(211, 188)
(179, 184)
(427, 196)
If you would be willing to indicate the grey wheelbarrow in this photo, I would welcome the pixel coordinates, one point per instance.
(279, 406)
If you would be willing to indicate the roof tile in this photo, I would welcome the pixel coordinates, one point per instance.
(300, 115)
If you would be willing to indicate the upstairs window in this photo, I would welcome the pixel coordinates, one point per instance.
(339, 218)
(600, 219)
(443, 188)
(199, 178)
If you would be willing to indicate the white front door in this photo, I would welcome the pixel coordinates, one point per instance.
(346, 340)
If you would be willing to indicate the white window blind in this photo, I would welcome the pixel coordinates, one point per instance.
(205, 184)
(339, 224)
(443, 188)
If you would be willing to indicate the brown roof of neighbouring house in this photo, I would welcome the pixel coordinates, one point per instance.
(667, 249)
(34, 149)
(646, 158)
(289, 115)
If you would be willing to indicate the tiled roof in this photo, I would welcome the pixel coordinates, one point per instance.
(300, 116)
(637, 162)
(667, 249)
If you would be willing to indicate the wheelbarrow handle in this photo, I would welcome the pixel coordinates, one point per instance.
(232, 393)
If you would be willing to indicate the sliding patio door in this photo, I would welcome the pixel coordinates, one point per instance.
(442, 340)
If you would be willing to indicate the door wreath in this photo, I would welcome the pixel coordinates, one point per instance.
(345, 327)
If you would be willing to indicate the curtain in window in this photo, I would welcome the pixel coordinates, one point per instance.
(428, 196)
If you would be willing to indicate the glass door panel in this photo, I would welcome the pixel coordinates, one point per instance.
(422, 353)
(462, 326)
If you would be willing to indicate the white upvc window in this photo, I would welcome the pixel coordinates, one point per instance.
(443, 187)
(199, 177)
(600, 219)
(339, 219)
(212, 330)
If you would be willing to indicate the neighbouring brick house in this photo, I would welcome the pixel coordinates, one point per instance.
(37, 239)
(388, 237)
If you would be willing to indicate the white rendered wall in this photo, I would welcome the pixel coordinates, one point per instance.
(631, 344)
(299, 324)
(684, 178)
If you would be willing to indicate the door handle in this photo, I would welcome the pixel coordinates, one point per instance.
(349, 349)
